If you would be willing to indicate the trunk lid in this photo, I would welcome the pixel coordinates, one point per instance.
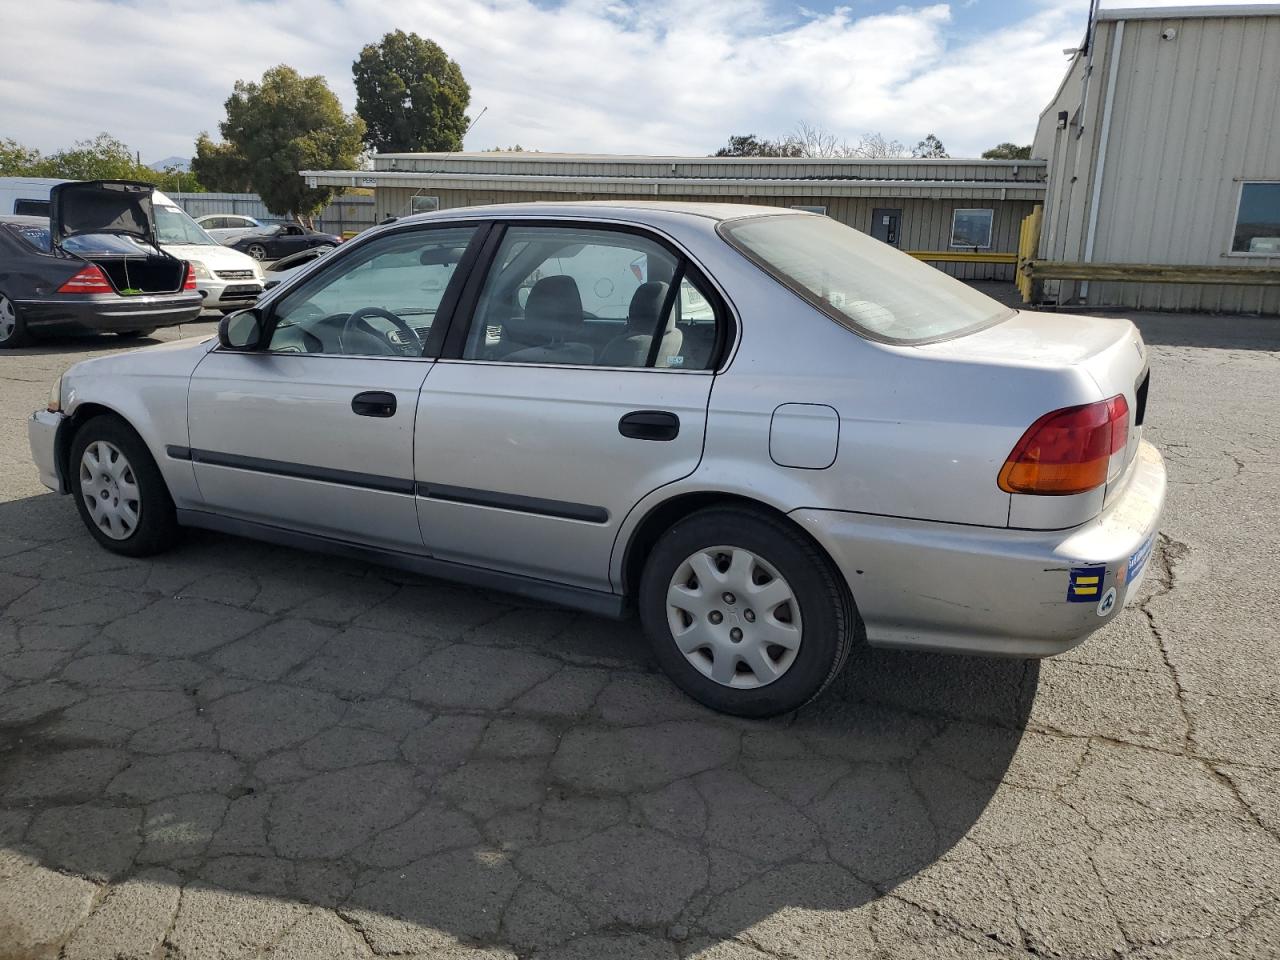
(1110, 351)
(101, 206)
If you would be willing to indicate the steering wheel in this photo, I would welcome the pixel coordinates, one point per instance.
(358, 317)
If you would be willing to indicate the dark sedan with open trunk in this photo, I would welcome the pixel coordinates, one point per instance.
(92, 265)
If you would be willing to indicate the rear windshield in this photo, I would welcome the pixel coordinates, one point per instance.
(84, 243)
(862, 283)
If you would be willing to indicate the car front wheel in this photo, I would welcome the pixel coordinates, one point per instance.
(745, 614)
(118, 489)
(257, 251)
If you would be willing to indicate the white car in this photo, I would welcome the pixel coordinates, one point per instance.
(763, 430)
(227, 226)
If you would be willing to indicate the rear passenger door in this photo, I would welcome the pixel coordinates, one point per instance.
(564, 395)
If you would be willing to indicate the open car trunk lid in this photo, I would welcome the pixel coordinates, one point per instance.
(95, 220)
(101, 206)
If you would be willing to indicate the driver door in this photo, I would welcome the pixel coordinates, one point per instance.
(314, 433)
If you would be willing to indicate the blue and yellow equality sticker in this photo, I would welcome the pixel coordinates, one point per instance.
(1085, 584)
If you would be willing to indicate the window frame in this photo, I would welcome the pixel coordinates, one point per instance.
(1235, 221)
(991, 228)
(464, 314)
(431, 350)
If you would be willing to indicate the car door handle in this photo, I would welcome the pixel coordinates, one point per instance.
(650, 425)
(374, 403)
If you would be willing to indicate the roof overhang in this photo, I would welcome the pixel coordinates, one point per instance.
(707, 187)
(1189, 12)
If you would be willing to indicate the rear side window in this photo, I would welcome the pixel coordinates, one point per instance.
(31, 208)
(591, 297)
(861, 283)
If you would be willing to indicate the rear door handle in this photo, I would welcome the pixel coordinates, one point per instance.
(650, 425)
(374, 403)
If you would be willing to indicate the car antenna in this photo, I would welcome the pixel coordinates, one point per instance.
(470, 127)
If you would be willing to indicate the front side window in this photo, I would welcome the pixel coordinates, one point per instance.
(380, 300)
(1258, 219)
(861, 283)
(971, 228)
(173, 226)
(590, 297)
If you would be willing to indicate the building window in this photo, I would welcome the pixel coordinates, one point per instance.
(971, 228)
(808, 209)
(423, 204)
(1258, 219)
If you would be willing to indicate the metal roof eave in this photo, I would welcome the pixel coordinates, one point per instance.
(677, 186)
(1188, 12)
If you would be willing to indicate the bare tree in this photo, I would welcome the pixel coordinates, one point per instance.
(875, 146)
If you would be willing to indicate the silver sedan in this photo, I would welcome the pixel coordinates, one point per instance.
(769, 434)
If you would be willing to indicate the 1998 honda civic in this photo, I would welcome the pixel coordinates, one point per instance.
(760, 428)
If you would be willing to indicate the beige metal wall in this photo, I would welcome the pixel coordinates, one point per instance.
(1191, 118)
(925, 223)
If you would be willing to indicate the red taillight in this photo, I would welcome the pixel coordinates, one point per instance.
(1068, 451)
(189, 283)
(88, 280)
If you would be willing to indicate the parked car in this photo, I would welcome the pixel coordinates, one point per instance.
(287, 266)
(281, 240)
(227, 279)
(836, 436)
(93, 265)
(226, 226)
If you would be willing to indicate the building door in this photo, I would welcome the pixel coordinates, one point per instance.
(884, 225)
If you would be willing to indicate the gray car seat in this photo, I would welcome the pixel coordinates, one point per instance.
(631, 349)
(552, 316)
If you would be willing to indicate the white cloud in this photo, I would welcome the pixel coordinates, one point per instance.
(626, 76)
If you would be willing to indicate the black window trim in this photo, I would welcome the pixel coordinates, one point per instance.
(463, 314)
(431, 350)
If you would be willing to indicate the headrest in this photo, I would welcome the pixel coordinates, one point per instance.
(553, 311)
(646, 303)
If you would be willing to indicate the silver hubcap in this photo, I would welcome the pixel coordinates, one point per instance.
(8, 319)
(257, 252)
(734, 617)
(110, 490)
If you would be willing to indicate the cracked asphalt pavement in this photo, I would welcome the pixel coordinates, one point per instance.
(242, 751)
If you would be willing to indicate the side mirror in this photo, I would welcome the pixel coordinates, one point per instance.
(241, 331)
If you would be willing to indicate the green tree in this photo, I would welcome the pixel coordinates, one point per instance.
(17, 160)
(930, 148)
(102, 158)
(284, 124)
(219, 166)
(749, 145)
(1007, 151)
(411, 96)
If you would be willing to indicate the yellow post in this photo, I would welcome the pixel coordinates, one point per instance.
(1028, 247)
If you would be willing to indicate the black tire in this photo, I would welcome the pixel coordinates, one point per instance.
(135, 334)
(17, 336)
(157, 526)
(826, 608)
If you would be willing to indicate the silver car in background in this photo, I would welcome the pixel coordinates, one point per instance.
(765, 431)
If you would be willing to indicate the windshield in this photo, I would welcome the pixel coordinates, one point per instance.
(862, 283)
(174, 226)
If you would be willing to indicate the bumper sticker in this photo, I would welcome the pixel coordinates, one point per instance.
(1085, 584)
(1107, 603)
(1139, 559)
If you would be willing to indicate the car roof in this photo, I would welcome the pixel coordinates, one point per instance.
(608, 210)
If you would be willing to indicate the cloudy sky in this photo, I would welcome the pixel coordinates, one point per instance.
(617, 76)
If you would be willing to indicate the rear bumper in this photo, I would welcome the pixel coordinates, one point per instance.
(219, 294)
(110, 313)
(1025, 593)
(42, 434)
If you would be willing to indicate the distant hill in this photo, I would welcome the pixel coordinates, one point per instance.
(175, 163)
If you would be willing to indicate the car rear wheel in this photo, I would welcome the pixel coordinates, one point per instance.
(118, 489)
(13, 332)
(257, 251)
(745, 614)
(135, 334)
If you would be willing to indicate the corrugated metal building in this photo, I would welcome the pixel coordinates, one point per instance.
(1163, 145)
(962, 215)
